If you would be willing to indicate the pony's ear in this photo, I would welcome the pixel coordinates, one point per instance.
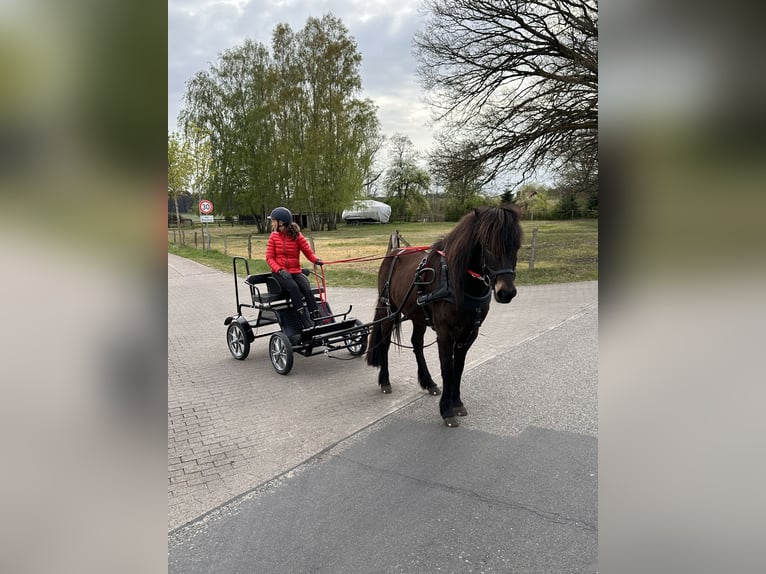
(476, 211)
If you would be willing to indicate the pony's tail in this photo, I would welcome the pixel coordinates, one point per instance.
(374, 353)
(377, 345)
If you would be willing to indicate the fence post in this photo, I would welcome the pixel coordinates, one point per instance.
(183, 238)
(225, 249)
(195, 240)
(250, 246)
(534, 247)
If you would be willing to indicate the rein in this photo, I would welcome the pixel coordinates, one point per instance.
(322, 288)
(400, 251)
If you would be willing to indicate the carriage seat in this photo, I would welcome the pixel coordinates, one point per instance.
(273, 294)
(265, 289)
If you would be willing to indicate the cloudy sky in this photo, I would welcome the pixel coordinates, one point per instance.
(199, 30)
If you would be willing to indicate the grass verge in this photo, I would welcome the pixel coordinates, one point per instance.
(565, 251)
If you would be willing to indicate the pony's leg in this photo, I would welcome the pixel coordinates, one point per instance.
(383, 376)
(377, 352)
(459, 364)
(446, 408)
(424, 376)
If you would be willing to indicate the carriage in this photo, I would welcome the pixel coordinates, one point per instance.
(272, 315)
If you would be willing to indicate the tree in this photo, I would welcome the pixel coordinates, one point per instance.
(231, 103)
(520, 77)
(534, 199)
(327, 136)
(179, 170)
(405, 182)
(582, 185)
(567, 205)
(198, 143)
(369, 164)
(462, 186)
(286, 128)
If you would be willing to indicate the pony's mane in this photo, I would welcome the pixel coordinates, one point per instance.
(497, 229)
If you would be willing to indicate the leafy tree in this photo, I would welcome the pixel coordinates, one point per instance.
(582, 184)
(186, 204)
(198, 143)
(567, 206)
(534, 199)
(286, 128)
(328, 136)
(369, 164)
(518, 76)
(231, 104)
(405, 182)
(179, 170)
(591, 205)
(289, 113)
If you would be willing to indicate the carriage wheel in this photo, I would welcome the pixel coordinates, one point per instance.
(281, 353)
(356, 343)
(239, 345)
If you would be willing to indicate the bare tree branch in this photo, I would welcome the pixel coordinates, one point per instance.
(517, 78)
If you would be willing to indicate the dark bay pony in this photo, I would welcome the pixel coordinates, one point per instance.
(447, 287)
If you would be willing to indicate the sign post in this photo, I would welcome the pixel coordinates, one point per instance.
(206, 210)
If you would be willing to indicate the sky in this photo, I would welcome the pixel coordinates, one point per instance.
(200, 30)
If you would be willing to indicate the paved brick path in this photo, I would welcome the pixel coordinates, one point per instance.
(233, 425)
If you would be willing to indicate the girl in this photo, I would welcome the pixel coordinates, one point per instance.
(283, 252)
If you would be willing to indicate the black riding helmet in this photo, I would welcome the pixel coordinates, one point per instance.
(282, 214)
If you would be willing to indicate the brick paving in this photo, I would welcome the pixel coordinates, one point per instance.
(234, 425)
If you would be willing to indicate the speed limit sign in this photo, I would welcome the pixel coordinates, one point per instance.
(205, 206)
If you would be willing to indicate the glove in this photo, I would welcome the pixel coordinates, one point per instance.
(284, 274)
(319, 262)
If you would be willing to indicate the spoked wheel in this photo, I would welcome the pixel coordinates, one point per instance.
(281, 353)
(239, 345)
(356, 343)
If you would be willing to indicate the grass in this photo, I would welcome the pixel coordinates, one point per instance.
(566, 251)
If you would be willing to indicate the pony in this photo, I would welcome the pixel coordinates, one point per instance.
(447, 287)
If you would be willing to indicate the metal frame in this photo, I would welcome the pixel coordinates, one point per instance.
(272, 307)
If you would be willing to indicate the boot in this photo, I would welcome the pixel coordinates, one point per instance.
(305, 319)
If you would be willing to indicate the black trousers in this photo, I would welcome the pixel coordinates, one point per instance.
(297, 286)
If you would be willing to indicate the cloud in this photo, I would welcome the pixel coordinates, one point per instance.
(199, 30)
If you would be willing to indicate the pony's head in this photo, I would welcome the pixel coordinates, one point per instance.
(485, 242)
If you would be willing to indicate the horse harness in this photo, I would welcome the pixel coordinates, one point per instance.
(425, 275)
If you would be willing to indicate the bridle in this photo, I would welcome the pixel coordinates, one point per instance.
(488, 275)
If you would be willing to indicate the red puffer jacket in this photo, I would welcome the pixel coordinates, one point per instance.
(283, 252)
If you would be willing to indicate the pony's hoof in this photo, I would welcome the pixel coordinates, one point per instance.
(385, 389)
(460, 411)
(451, 422)
(434, 391)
